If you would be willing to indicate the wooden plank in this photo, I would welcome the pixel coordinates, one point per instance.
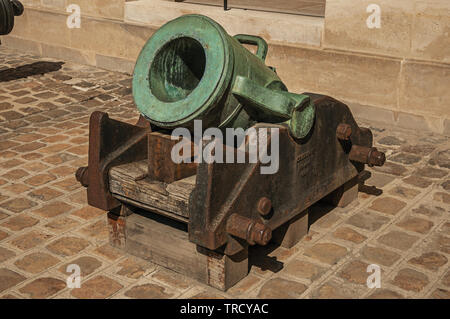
(165, 242)
(160, 168)
(128, 183)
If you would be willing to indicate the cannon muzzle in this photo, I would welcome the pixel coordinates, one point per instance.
(191, 69)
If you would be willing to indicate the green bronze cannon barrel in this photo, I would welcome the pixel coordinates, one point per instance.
(192, 69)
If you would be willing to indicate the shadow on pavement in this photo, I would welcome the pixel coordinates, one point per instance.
(24, 71)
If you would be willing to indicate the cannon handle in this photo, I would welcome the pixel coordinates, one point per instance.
(261, 52)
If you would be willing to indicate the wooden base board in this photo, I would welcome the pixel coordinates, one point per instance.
(165, 242)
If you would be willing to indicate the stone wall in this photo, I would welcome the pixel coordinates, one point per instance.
(398, 73)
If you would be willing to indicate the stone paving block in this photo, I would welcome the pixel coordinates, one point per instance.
(30, 240)
(441, 159)
(442, 197)
(207, 295)
(279, 288)
(148, 291)
(411, 280)
(368, 220)
(380, 255)
(430, 260)
(43, 288)
(9, 278)
(428, 211)
(405, 158)
(387, 205)
(385, 294)
(177, 281)
(133, 268)
(446, 185)
(392, 168)
(355, 272)
(3, 215)
(97, 230)
(87, 265)
(430, 172)
(304, 269)
(40, 179)
(98, 287)
(406, 193)
(19, 222)
(36, 262)
(399, 240)
(3, 235)
(419, 149)
(446, 279)
(18, 205)
(6, 254)
(326, 252)
(53, 209)
(346, 233)
(68, 246)
(440, 293)
(62, 224)
(88, 212)
(45, 194)
(440, 243)
(108, 252)
(333, 290)
(415, 224)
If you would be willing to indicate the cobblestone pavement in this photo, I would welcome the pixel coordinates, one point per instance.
(399, 222)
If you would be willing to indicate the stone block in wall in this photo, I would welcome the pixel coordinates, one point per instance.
(23, 45)
(136, 38)
(115, 64)
(31, 3)
(54, 4)
(346, 26)
(365, 79)
(431, 31)
(68, 54)
(425, 89)
(47, 27)
(106, 37)
(110, 9)
(283, 28)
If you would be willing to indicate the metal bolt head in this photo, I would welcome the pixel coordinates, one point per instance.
(264, 206)
(343, 131)
(260, 234)
(376, 158)
(82, 176)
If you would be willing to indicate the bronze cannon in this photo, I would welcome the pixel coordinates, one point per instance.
(196, 216)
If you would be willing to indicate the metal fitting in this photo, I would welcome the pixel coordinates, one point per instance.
(343, 131)
(264, 206)
(376, 158)
(251, 230)
(367, 155)
(82, 176)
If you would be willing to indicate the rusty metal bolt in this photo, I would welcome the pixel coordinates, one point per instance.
(344, 131)
(367, 155)
(260, 234)
(264, 206)
(248, 229)
(376, 158)
(82, 175)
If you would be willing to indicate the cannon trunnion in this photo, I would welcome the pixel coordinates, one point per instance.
(199, 217)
